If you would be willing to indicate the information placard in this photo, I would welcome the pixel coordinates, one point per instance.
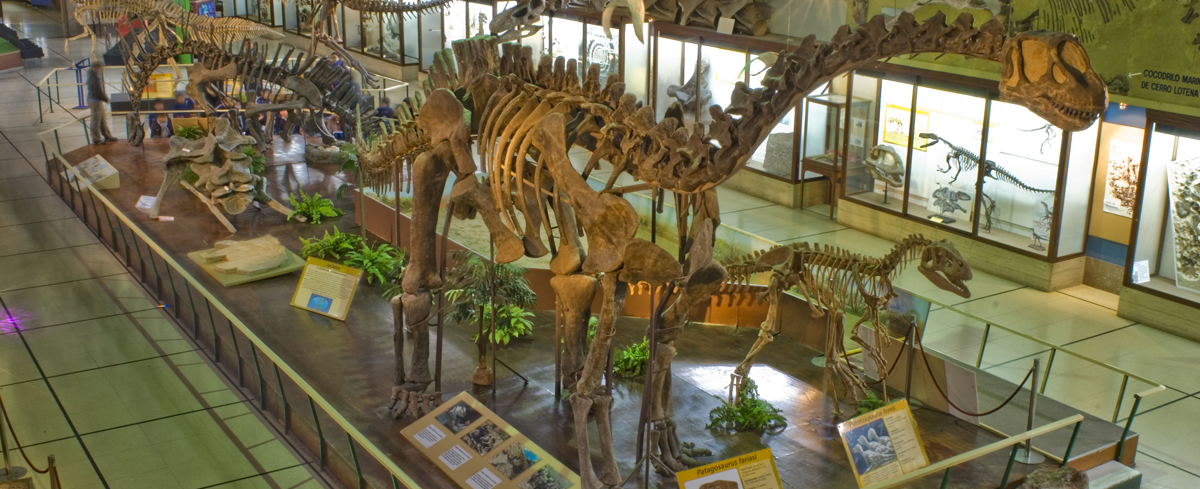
(883, 444)
(326, 288)
(751, 471)
(478, 450)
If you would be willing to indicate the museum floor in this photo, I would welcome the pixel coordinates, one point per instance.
(142, 409)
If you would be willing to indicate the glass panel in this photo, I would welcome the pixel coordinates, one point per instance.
(1018, 195)
(412, 42)
(726, 67)
(455, 22)
(390, 37)
(942, 182)
(881, 181)
(1077, 190)
(353, 28)
(1167, 239)
(603, 51)
(538, 42)
(637, 63)
(305, 16)
(670, 73)
(239, 8)
(568, 41)
(289, 16)
(431, 34)
(479, 16)
(775, 155)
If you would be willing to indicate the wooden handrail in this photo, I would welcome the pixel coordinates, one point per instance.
(976, 453)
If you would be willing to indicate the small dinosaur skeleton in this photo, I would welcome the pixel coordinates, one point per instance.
(961, 159)
(164, 15)
(835, 281)
(946, 200)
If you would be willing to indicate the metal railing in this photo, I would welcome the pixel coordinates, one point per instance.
(142, 255)
(1012, 441)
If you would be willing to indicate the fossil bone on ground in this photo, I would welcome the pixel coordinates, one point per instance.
(249, 257)
(526, 117)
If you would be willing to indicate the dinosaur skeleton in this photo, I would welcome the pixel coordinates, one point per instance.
(287, 83)
(526, 118)
(961, 159)
(749, 16)
(323, 17)
(164, 15)
(834, 280)
(946, 200)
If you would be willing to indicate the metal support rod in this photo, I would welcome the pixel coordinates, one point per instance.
(437, 360)
(946, 478)
(987, 328)
(1033, 389)
(1071, 445)
(237, 352)
(287, 415)
(320, 435)
(1137, 400)
(216, 339)
(1046, 376)
(1120, 398)
(262, 386)
(910, 341)
(1012, 457)
(357, 468)
(4, 443)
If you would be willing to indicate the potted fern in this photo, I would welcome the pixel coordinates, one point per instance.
(469, 289)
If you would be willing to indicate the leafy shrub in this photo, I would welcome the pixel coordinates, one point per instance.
(347, 160)
(869, 403)
(405, 204)
(332, 246)
(511, 322)
(380, 265)
(750, 413)
(258, 163)
(313, 207)
(470, 286)
(192, 133)
(631, 361)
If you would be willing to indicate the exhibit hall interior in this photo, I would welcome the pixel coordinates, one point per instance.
(556, 245)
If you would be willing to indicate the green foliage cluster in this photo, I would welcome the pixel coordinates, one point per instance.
(631, 361)
(347, 160)
(469, 289)
(313, 207)
(258, 163)
(331, 246)
(404, 205)
(750, 413)
(382, 264)
(869, 403)
(511, 322)
(192, 133)
(189, 176)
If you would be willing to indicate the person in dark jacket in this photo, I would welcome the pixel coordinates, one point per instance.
(98, 104)
(182, 102)
(160, 124)
(385, 109)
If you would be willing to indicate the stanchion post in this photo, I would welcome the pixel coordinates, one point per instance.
(10, 472)
(1028, 456)
(987, 329)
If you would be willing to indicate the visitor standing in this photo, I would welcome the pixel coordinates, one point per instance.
(98, 104)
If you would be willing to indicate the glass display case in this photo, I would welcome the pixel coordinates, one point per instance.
(1165, 245)
(454, 22)
(600, 50)
(432, 38)
(567, 40)
(836, 131)
(921, 159)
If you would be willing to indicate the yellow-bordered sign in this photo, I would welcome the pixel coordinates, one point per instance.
(326, 288)
(751, 471)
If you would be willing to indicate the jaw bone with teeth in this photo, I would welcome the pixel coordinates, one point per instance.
(518, 21)
(945, 268)
(1050, 73)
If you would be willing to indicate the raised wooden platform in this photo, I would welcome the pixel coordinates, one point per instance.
(351, 363)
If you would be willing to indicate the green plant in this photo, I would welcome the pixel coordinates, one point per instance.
(313, 207)
(191, 132)
(869, 403)
(331, 245)
(258, 163)
(749, 413)
(511, 322)
(347, 160)
(189, 176)
(470, 286)
(380, 264)
(631, 361)
(593, 322)
(405, 204)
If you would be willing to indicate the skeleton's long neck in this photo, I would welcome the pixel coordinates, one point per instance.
(812, 64)
(904, 252)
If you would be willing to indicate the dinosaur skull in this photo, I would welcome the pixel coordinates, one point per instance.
(945, 268)
(1049, 73)
(516, 22)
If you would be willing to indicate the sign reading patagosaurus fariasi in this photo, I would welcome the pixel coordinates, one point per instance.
(750, 471)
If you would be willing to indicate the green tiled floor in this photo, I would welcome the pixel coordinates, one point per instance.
(93, 372)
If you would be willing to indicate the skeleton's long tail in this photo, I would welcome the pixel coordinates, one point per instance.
(1004, 176)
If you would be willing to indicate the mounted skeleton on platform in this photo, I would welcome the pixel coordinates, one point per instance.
(526, 118)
